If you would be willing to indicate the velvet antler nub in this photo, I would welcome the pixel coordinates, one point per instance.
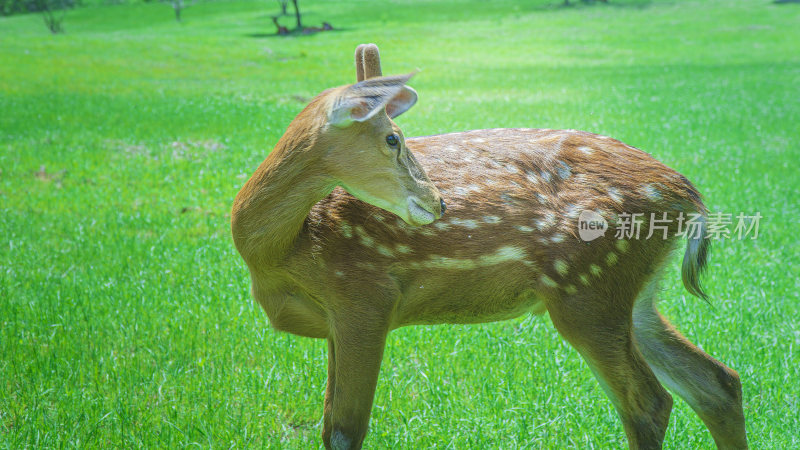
(360, 62)
(372, 61)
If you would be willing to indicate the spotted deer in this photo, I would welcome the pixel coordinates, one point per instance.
(342, 230)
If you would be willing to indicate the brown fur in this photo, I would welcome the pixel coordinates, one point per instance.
(327, 265)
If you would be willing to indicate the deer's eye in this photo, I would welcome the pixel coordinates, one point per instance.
(392, 140)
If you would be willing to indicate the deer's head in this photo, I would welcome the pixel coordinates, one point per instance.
(348, 135)
(365, 151)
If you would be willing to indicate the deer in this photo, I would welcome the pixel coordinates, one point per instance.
(350, 230)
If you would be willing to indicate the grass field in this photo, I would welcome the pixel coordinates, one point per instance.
(125, 314)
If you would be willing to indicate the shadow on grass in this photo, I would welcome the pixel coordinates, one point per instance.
(293, 33)
(583, 4)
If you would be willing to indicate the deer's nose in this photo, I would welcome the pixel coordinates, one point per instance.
(444, 207)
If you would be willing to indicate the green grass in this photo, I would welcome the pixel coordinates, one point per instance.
(125, 315)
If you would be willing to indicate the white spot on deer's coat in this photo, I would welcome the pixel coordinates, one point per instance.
(504, 254)
(524, 228)
(441, 225)
(492, 164)
(508, 200)
(531, 177)
(580, 179)
(595, 269)
(564, 171)
(546, 176)
(622, 245)
(558, 237)
(614, 194)
(466, 223)
(561, 267)
(501, 255)
(547, 221)
(572, 211)
(402, 248)
(443, 262)
(491, 219)
(547, 281)
(570, 289)
(586, 150)
(511, 168)
(584, 279)
(611, 258)
(384, 250)
(426, 231)
(541, 197)
(347, 231)
(364, 237)
(651, 192)
(339, 273)
(461, 190)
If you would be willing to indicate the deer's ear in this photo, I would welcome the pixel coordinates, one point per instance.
(401, 102)
(361, 101)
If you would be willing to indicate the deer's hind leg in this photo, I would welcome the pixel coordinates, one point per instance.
(711, 389)
(601, 330)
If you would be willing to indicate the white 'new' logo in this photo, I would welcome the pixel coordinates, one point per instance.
(591, 225)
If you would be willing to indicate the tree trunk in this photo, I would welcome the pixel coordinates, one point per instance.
(52, 20)
(297, 15)
(178, 6)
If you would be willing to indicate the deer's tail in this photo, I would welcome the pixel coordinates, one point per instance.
(695, 260)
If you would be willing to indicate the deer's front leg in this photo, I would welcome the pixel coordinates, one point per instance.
(355, 350)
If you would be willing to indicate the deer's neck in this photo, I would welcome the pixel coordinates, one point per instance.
(269, 211)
